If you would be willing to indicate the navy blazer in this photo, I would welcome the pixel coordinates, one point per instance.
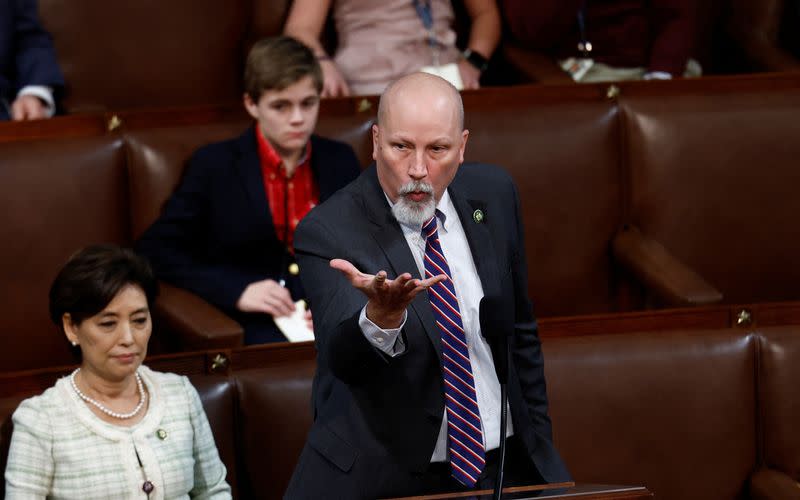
(27, 56)
(377, 418)
(215, 235)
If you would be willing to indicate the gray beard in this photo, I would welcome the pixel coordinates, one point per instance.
(412, 213)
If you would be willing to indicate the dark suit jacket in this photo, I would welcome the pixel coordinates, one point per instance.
(376, 418)
(215, 235)
(659, 35)
(27, 56)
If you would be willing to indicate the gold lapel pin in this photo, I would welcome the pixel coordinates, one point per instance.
(477, 216)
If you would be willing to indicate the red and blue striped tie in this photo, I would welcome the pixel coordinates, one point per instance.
(465, 438)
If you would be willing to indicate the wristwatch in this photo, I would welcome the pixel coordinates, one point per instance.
(475, 59)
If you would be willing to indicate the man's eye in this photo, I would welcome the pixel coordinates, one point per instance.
(401, 147)
(280, 106)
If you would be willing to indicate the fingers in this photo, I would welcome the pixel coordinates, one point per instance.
(309, 320)
(429, 282)
(347, 269)
(380, 281)
(18, 110)
(27, 107)
(282, 300)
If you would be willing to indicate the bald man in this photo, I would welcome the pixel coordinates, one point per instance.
(406, 399)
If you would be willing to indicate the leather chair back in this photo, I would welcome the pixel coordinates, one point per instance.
(58, 196)
(148, 53)
(570, 194)
(714, 179)
(273, 420)
(674, 411)
(779, 400)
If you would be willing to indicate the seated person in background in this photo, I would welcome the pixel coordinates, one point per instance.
(226, 233)
(29, 72)
(609, 40)
(114, 428)
(382, 40)
(768, 31)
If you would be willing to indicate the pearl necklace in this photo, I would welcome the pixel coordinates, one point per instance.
(99, 406)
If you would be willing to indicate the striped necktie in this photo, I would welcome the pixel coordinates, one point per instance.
(465, 439)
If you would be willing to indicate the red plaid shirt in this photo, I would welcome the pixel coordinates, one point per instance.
(290, 198)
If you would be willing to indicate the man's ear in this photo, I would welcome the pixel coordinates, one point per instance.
(464, 137)
(250, 105)
(375, 141)
(70, 328)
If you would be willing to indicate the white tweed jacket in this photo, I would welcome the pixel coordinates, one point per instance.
(61, 450)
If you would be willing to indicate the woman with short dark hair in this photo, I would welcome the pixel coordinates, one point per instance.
(113, 428)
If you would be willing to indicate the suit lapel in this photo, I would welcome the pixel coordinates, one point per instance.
(480, 240)
(248, 168)
(389, 236)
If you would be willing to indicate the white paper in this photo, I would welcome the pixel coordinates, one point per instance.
(447, 71)
(294, 326)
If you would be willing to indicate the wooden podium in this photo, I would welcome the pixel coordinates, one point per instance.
(550, 492)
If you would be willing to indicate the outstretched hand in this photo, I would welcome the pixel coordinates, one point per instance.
(388, 298)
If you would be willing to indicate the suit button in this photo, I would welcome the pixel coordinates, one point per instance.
(294, 269)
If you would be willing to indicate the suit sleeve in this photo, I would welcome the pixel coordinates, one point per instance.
(175, 243)
(35, 57)
(526, 348)
(336, 306)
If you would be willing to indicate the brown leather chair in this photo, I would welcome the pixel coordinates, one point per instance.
(570, 195)
(672, 410)
(712, 179)
(273, 419)
(119, 55)
(58, 196)
(218, 395)
(779, 405)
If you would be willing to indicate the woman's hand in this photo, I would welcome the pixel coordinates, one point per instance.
(334, 84)
(470, 76)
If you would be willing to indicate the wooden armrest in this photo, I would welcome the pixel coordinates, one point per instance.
(198, 324)
(771, 484)
(670, 279)
(534, 66)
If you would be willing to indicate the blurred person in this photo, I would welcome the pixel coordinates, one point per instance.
(767, 32)
(113, 428)
(379, 41)
(226, 233)
(29, 72)
(609, 40)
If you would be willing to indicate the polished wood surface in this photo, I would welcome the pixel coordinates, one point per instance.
(552, 491)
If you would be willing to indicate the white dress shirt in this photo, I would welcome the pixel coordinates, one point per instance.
(469, 292)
